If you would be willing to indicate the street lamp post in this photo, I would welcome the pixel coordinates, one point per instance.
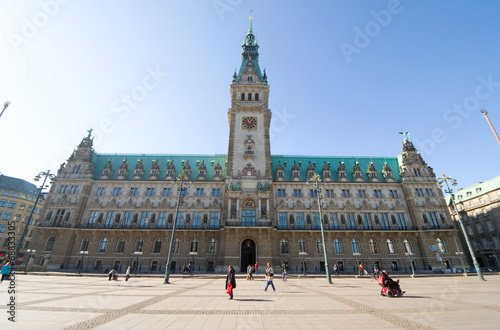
(137, 253)
(31, 254)
(303, 254)
(460, 254)
(357, 254)
(182, 188)
(40, 189)
(445, 179)
(83, 253)
(5, 106)
(409, 254)
(315, 183)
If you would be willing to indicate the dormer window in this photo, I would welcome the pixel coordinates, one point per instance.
(249, 79)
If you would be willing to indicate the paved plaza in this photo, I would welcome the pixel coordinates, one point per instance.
(200, 302)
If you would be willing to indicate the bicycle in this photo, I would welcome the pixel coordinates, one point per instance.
(374, 277)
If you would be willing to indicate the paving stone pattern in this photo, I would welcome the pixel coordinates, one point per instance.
(92, 302)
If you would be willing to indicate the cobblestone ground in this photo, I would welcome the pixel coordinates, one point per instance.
(87, 302)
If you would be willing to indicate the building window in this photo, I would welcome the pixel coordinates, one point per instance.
(316, 221)
(419, 192)
(281, 193)
(373, 247)
(49, 244)
(180, 219)
(282, 220)
(490, 226)
(337, 244)
(367, 219)
(212, 244)
(249, 96)
(361, 193)
(84, 246)
(243, 96)
(334, 220)
(384, 220)
(216, 192)
(496, 241)
(93, 216)
(196, 219)
(297, 193)
(256, 96)
(393, 193)
(127, 217)
(100, 191)
(63, 189)
(6, 216)
(139, 244)
(145, 218)
(391, 247)
(417, 172)
(313, 193)
(133, 191)
(401, 220)
(300, 220)
(199, 191)
(175, 248)
(302, 245)
(346, 193)
(429, 192)
(194, 245)
(479, 228)
(408, 246)
(102, 245)
(120, 246)
(469, 229)
(150, 191)
(319, 246)
(433, 218)
(355, 246)
(12, 205)
(167, 191)
(74, 190)
(441, 245)
(329, 193)
(377, 193)
(214, 219)
(162, 219)
(284, 246)
(109, 219)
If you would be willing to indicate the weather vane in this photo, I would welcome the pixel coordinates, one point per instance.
(406, 135)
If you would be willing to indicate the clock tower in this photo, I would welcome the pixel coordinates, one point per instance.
(249, 153)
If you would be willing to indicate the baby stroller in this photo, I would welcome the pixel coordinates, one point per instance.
(392, 289)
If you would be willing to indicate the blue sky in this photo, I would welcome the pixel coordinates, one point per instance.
(345, 77)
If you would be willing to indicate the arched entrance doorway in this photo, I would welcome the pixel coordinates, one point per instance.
(248, 252)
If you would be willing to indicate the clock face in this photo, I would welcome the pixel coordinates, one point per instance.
(249, 122)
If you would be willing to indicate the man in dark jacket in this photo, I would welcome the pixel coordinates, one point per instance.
(230, 281)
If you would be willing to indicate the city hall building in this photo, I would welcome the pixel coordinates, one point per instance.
(109, 210)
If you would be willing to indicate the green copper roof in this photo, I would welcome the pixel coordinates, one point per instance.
(18, 185)
(100, 161)
(319, 161)
(476, 190)
(250, 53)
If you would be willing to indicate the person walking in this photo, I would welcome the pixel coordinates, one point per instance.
(127, 273)
(230, 282)
(256, 268)
(6, 269)
(336, 269)
(284, 269)
(249, 272)
(269, 277)
(360, 269)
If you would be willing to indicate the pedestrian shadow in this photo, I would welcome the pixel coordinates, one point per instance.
(253, 299)
(418, 297)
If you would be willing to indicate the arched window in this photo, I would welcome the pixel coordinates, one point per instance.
(50, 243)
(355, 246)
(84, 246)
(284, 246)
(408, 246)
(302, 245)
(441, 245)
(212, 245)
(249, 96)
(243, 96)
(139, 244)
(391, 247)
(177, 242)
(256, 96)
(194, 245)
(120, 246)
(373, 246)
(102, 245)
(319, 246)
(338, 246)
(157, 246)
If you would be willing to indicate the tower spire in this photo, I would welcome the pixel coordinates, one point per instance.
(250, 31)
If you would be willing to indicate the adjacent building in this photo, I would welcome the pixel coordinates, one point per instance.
(112, 210)
(479, 208)
(17, 199)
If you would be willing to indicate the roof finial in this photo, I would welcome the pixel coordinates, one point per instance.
(250, 31)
